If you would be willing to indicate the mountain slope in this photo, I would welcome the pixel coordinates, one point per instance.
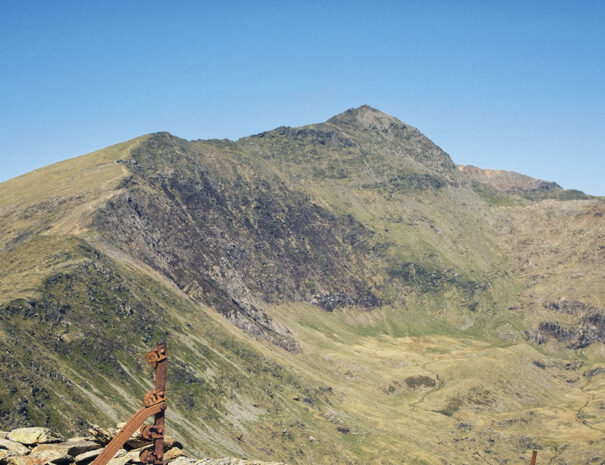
(508, 181)
(335, 293)
(511, 182)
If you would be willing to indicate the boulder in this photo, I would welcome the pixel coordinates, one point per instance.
(80, 447)
(101, 435)
(35, 435)
(88, 456)
(182, 460)
(23, 460)
(172, 454)
(126, 457)
(170, 442)
(68, 447)
(136, 441)
(15, 448)
(119, 459)
(51, 455)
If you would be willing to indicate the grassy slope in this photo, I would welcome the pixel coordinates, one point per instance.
(54, 201)
(76, 321)
(75, 356)
(489, 402)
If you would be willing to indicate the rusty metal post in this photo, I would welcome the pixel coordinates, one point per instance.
(534, 455)
(160, 386)
(155, 404)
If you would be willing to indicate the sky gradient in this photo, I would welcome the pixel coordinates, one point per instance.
(504, 85)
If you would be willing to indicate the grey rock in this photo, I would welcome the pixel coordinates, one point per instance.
(13, 447)
(101, 435)
(22, 460)
(34, 435)
(183, 461)
(172, 454)
(87, 456)
(73, 448)
(118, 459)
(128, 457)
(51, 455)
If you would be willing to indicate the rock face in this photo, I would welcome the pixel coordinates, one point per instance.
(250, 238)
(590, 329)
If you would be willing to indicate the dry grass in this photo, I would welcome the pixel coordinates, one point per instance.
(497, 395)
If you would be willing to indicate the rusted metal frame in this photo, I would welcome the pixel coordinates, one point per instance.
(160, 389)
(534, 455)
(125, 433)
(155, 404)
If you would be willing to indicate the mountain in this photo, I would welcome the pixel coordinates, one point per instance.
(335, 293)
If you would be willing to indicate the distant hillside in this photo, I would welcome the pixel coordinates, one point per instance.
(508, 181)
(516, 183)
(337, 293)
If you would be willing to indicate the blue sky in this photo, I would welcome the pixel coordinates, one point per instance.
(508, 85)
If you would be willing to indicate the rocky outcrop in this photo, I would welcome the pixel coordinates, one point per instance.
(41, 446)
(589, 326)
(590, 329)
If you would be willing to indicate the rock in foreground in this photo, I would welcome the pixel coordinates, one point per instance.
(40, 446)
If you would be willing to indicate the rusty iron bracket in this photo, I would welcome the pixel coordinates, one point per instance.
(154, 397)
(156, 355)
(154, 404)
(150, 432)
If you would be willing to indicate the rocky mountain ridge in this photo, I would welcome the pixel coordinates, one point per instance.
(343, 281)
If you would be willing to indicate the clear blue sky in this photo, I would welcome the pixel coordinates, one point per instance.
(516, 85)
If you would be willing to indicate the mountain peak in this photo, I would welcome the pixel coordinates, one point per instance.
(364, 115)
(366, 109)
